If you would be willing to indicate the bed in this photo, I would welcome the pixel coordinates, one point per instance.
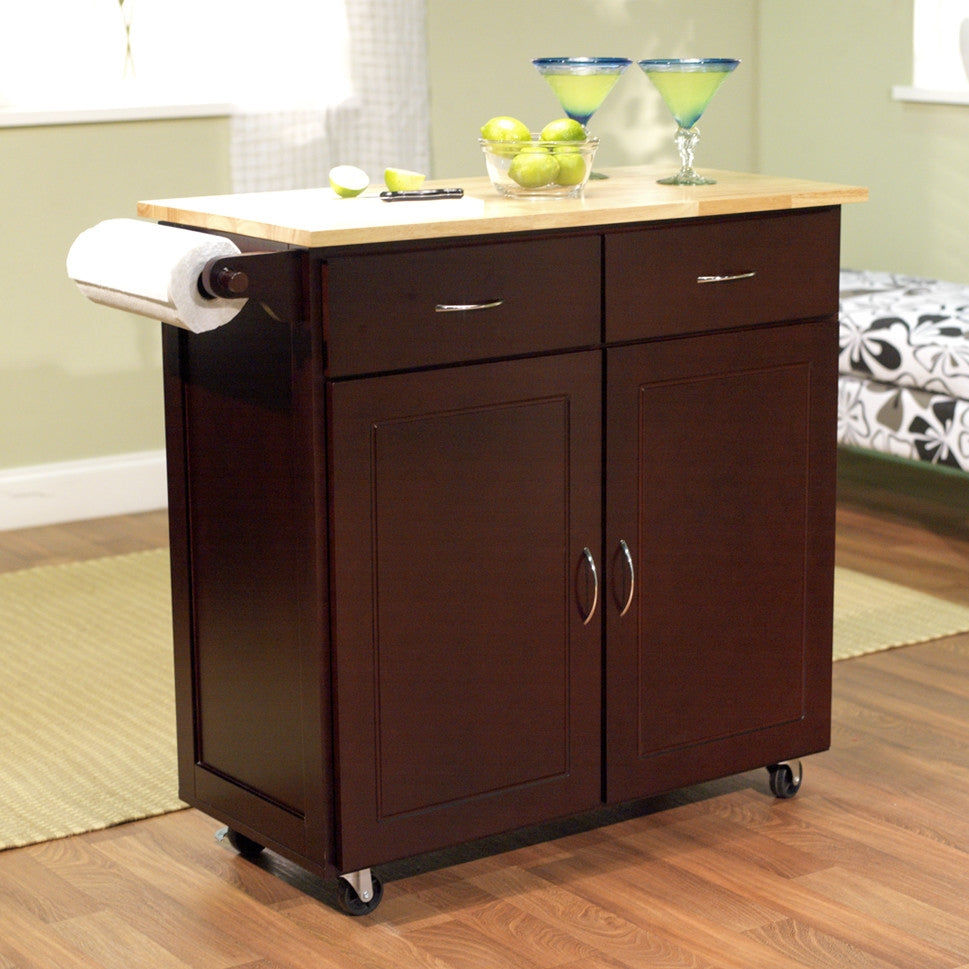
(904, 367)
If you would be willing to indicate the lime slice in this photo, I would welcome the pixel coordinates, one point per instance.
(402, 180)
(348, 180)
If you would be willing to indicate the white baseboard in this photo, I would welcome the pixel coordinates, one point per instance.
(76, 490)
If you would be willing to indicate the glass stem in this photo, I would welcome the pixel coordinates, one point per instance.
(686, 139)
(127, 16)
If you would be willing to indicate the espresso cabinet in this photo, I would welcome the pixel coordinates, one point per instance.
(504, 529)
(718, 551)
(468, 695)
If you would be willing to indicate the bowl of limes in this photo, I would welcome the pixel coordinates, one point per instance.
(553, 163)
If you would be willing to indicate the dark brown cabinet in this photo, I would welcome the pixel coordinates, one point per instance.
(500, 531)
(719, 469)
(468, 696)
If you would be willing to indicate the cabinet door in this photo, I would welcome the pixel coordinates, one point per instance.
(720, 470)
(467, 680)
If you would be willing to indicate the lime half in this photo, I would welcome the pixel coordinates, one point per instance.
(348, 180)
(402, 180)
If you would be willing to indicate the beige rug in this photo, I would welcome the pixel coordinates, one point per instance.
(872, 614)
(87, 721)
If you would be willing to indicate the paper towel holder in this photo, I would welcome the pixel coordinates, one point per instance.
(273, 279)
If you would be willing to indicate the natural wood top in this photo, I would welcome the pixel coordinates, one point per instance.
(317, 218)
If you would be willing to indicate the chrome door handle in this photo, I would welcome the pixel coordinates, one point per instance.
(466, 307)
(590, 563)
(628, 559)
(725, 279)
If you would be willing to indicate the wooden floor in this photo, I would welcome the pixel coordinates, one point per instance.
(867, 867)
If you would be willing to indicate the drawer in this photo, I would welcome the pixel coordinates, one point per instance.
(401, 310)
(713, 274)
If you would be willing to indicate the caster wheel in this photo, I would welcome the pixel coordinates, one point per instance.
(352, 904)
(245, 846)
(785, 779)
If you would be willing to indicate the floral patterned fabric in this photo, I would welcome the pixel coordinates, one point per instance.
(904, 367)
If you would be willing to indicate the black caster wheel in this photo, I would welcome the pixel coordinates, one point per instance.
(245, 846)
(353, 904)
(785, 779)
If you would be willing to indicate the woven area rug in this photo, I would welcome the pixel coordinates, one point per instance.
(87, 722)
(871, 614)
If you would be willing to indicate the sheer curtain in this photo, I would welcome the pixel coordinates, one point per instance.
(364, 103)
(313, 83)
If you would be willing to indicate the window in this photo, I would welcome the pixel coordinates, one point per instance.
(940, 53)
(938, 61)
(248, 53)
(307, 83)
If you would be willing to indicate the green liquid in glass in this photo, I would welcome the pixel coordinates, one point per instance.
(581, 94)
(687, 93)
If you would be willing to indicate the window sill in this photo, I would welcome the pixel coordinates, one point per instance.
(98, 110)
(925, 96)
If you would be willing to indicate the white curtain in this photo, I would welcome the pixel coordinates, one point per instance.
(288, 135)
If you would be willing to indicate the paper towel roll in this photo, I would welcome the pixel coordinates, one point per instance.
(151, 270)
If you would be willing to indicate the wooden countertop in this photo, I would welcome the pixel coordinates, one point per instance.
(317, 218)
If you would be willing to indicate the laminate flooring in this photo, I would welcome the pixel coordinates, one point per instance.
(867, 867)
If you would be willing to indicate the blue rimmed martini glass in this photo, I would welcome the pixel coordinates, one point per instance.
(581, 83)
(687, 87)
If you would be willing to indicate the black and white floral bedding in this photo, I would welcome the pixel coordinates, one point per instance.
(904, 367)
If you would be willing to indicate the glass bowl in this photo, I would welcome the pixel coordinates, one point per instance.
(539, 169)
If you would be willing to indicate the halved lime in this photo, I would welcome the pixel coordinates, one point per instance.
(402, 180)
(348, 180)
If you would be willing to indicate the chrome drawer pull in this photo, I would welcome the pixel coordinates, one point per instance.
(590, 563)
(628, 559)
(725, 279)
(464, 307)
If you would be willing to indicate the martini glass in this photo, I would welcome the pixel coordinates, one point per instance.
(581, 83)
(687, 87)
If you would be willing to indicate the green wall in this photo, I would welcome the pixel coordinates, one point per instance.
(826, 112)
(79, 380)
(481, 66)
(811, 98)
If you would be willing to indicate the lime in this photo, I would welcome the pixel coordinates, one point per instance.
(402, 180)
(563, 129)
(533, 168)
(572, 167)
(504, 128)
(348, 180)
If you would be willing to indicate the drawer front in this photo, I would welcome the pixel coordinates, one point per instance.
(709, 275)
(401, 310)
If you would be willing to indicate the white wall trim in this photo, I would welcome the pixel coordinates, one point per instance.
(75, 490)
(40, 115)
(903, 93)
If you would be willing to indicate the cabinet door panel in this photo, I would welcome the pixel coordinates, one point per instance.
(722, 455)
(467, 684)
